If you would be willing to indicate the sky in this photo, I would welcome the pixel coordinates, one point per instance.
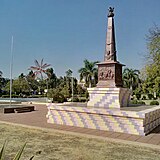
(65, 32)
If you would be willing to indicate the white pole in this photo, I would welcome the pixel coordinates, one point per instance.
(11, 68)
(72, 87)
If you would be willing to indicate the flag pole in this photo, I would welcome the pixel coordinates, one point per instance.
(11, 69)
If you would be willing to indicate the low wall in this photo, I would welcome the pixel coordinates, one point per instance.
(132, 122)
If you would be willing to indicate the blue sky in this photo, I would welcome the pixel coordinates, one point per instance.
(65, 32)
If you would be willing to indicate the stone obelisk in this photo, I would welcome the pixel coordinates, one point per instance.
(110, 71)
(109, 92)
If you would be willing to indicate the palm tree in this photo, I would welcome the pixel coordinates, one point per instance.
(89, 73)
(40, 69)
(1, 74)
(131, 78)
(52, 78)
(1, 79)
(69, 73)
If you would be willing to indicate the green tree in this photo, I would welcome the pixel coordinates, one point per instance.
(19, 85)
(40, 71)
(1, 79)
(69, 81)
(89, 73)
(1, 74)
(69, 73)
(151, 71)
(131, 78)
(52, 78)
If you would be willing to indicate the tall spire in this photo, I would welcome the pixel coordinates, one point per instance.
(110, 50)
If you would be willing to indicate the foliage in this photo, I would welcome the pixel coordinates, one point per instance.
(151, 71)
(19, 85)
(150, 96)
(154, 103)
(89, 73)
(3, 82)
(144, 98)
(56, 95)
(75, 99)
(82, 99)
(131, 78)
(69, 73)
(52, 78)
(141, 102)
(87, 95)
(39, 69)
(80, 90)
(137, 102)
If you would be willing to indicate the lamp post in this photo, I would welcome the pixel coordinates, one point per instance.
(46, 91)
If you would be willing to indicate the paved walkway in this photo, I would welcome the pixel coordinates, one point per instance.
(38, 119)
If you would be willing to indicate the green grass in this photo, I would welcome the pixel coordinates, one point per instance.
(58, 146)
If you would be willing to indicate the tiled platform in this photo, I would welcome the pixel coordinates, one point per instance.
(38, 119)
(139, 122)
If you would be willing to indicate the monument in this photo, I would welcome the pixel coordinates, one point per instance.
(107, 108)
(109, 92)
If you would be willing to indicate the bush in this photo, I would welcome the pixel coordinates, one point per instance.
(75, 99)
(144, 98)
(134, 101)
(82, 99)
(13, 96)
(58, 98)
(138, 96)
(137, 102)
(154, 103)
(150, 96)
(141, 102)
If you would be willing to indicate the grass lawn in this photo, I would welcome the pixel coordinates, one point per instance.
(58, 146)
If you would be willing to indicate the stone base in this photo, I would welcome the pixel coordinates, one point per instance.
(131, 122)
(108, 97)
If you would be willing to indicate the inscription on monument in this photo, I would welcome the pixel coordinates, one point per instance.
(106, 73)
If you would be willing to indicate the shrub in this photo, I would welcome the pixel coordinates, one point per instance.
(58, 98)
(154, 103)
(150, 96)
(141, 102)
(75, 99)
(134, 101)
(82, 99)
(144, 98)
(138, 96)
(137, 102)
(13, 96)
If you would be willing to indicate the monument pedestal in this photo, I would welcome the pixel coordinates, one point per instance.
(110, 98)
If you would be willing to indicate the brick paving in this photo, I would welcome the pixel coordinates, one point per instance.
(38, 119)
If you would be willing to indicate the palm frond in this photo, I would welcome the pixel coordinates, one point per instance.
(33, 68)
(18, 155)
(36, 63)
(45, 65)
(2, 153)
(41, 62)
